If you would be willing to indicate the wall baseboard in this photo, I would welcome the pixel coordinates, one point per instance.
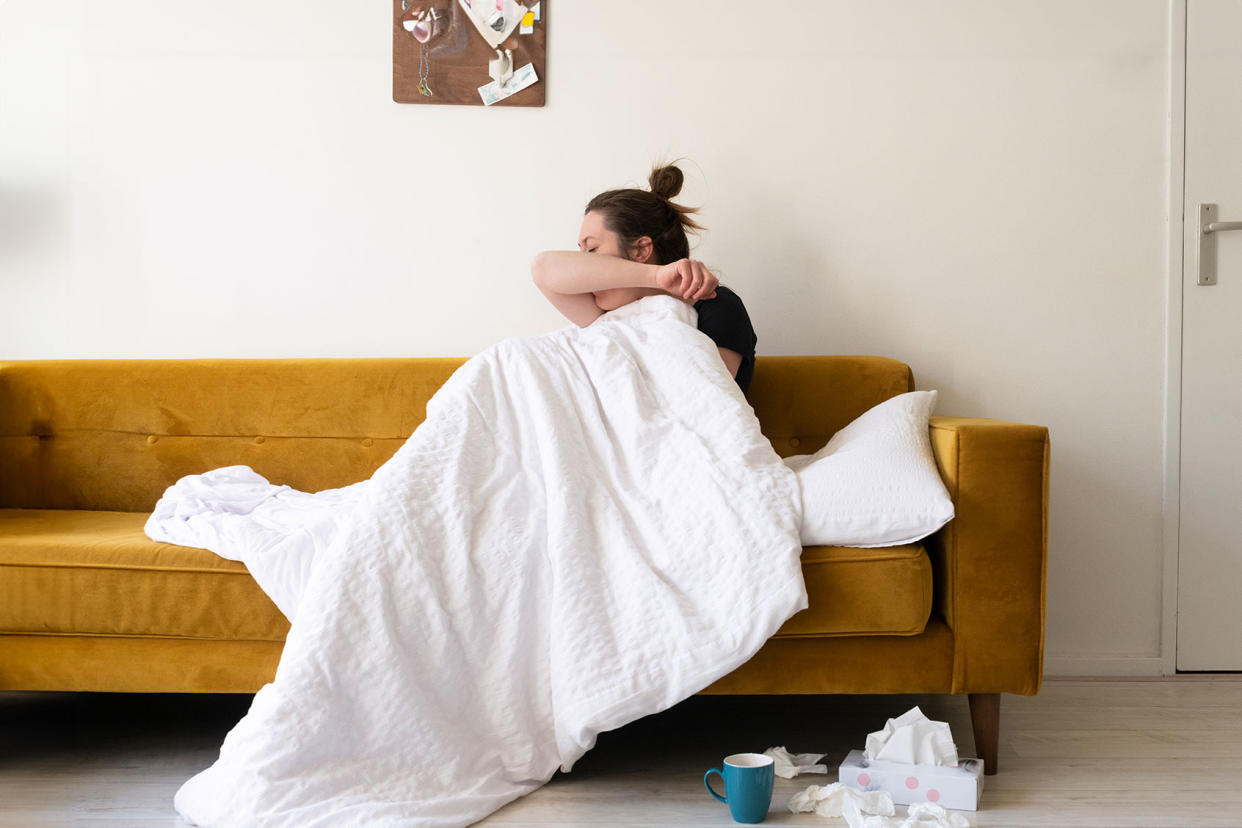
(1091, 666)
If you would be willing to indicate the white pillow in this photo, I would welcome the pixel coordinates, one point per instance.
(875, 483)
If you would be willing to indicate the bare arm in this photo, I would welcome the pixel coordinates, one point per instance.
(568, 272)
(579, 308)
(567, 278)
(732, 360)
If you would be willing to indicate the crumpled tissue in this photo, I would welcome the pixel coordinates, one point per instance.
(871, 809)
(913, 738)
(789, 765)
(926, 815)
(837, 800)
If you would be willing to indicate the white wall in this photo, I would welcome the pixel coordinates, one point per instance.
(977, 188)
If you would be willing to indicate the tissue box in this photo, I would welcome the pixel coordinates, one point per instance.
(949, 786)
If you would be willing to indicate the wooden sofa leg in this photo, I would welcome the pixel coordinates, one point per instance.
(985, 722)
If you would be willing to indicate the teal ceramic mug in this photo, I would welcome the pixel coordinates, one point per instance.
(748, 780)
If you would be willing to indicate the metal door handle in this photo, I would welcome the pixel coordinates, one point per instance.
(1208, 226)
(1222, 225)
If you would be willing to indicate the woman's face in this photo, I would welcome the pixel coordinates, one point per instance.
(594, 237)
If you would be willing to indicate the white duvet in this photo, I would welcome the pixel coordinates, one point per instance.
(587, 528)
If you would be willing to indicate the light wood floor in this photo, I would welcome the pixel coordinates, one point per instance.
(1083, 753)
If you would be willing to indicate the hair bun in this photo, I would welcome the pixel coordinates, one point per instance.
(666, 181)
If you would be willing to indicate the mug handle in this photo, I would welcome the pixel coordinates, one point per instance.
(708, 785)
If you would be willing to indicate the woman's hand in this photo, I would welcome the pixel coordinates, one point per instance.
(687, 279)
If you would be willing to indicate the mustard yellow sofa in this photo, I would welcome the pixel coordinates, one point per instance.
(89, 603)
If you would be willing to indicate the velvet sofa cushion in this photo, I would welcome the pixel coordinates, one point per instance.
(852, 591)
(97, 573)
(68, 572)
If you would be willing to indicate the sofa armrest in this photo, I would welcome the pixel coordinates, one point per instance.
(989, 563)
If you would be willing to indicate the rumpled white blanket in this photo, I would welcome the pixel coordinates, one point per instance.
(588, 528)
(275, 530)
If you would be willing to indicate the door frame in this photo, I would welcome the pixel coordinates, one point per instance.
(1171, 501)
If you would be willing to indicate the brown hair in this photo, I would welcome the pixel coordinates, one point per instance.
(632, 214)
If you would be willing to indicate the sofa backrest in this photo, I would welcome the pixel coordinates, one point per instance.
(114, 434)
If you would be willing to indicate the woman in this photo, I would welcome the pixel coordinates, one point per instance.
(642, 238)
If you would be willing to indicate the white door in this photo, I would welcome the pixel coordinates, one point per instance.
(1209, 583)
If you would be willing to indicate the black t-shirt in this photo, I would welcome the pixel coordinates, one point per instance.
(725, 320)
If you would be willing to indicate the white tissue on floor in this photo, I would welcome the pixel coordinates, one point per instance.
(913, 738)
(790, 765)
(920, 815)
(871, 809)
(837, 800)
(931, 815)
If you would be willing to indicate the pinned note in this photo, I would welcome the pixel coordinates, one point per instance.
(521, 79)
(528, 23)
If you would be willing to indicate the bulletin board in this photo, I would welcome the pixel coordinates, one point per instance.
(470, 52)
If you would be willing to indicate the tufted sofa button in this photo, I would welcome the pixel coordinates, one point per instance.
(259, 440)
(795, 442)
(368, 442)
(151, 438)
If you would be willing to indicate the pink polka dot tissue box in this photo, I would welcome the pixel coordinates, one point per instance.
(949, 786)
